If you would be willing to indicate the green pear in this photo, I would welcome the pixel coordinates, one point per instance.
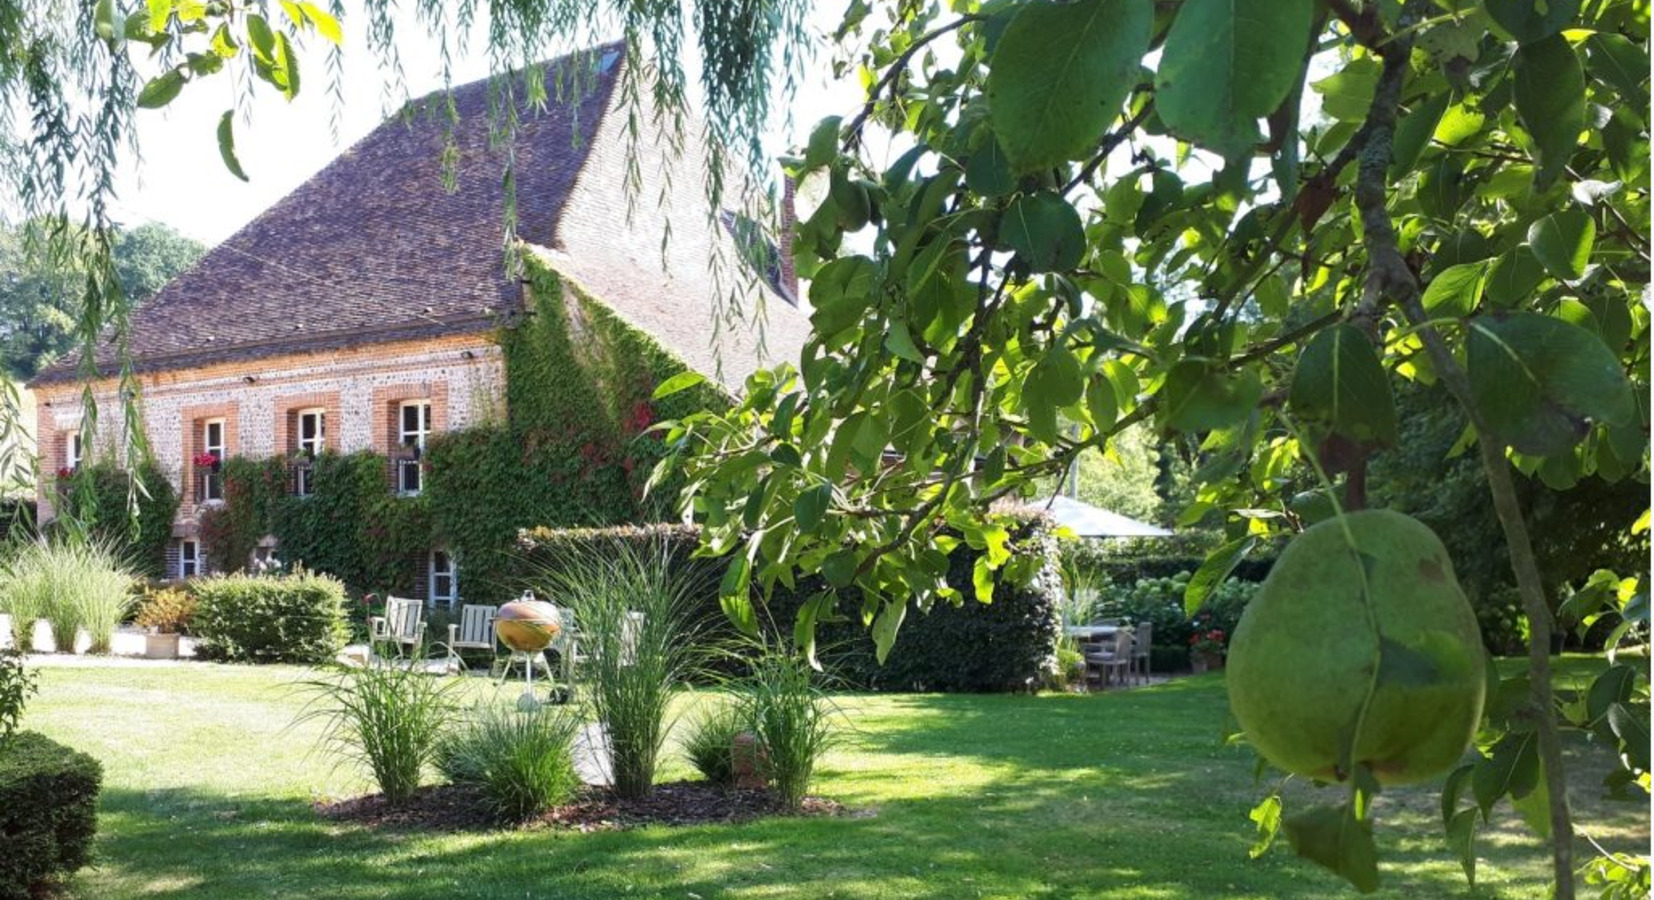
(1359, 636)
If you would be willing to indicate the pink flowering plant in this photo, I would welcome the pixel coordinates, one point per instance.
(1210, 642)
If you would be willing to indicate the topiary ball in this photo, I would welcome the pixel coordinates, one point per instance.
(1363, 605)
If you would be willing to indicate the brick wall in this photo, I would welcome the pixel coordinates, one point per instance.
(462, 375)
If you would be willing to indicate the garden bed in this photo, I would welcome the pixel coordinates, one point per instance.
(455, 808)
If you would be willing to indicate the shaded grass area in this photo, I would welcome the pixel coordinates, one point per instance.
(209, 788)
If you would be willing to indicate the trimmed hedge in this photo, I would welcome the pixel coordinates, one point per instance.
(48, 813)
(1007, 645)
(296, 618)
(1128, 570)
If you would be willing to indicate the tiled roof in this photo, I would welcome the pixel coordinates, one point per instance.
(373, 248)
(662, 282)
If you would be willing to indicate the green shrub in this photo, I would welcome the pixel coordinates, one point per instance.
(710, 743)
(17, 684)
(633, 612)
(780, 703)
(1007, 645)
(73, 584)
(291, 618)
(48, 813)
(386, 718)
(168, 610)
(523, 761)
(1160, 601)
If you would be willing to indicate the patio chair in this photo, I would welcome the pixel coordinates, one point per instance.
(1142, 637)
(1112, 660)
(629, 632)
(474, 631)
(402, 625)
(569, 649)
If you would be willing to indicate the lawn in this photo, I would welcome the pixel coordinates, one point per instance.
(209, 787)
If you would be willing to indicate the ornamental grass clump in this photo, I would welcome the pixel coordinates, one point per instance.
(780, 702)
(521, 761)
(632, 610)
(73, 584)
(388, 719)
(710, 743)
(24, 599)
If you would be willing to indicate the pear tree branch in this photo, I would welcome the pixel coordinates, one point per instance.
(1389, 277)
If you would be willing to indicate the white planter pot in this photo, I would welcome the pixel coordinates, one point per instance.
(160, 646)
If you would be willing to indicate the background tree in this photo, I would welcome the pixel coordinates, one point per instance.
(1243, 254)
(1123, 477)
(1578, 528)
(40, 299)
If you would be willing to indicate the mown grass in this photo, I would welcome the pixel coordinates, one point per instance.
(1123, 795)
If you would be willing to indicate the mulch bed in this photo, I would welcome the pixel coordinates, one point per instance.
(454, 808)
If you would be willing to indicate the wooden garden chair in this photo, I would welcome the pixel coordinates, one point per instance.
(473, 631)
(402, 625)
(570, 653)
(1142, 638)
(567, 647)
(1112, 660)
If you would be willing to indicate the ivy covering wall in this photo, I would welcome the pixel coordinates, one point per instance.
(574, 450)
(141, 540)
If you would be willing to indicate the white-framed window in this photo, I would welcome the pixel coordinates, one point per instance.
(310, 438)
(442, 585)
(74, 451)
(212, 443)
(414, 417)
(189, 559)
(312, 431)
(413, 427)
(212, 437)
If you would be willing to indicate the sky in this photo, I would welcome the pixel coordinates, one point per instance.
(180, 180)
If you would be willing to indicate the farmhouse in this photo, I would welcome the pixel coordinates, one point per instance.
(369, 316)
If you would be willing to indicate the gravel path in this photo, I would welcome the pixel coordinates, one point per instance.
(126, 648)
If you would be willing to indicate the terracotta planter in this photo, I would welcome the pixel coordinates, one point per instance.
(1205, 662)
(748, 758)
(160, 646)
